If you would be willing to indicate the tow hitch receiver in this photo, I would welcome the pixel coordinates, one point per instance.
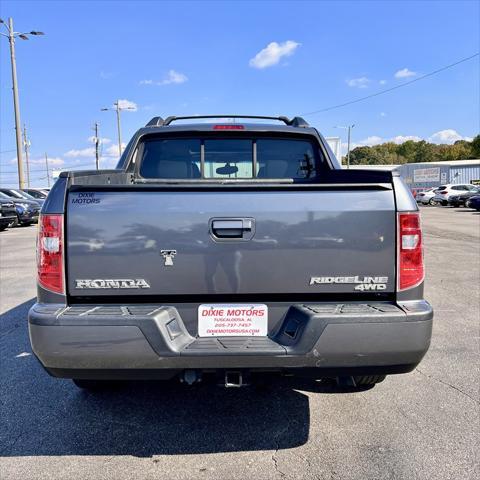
(234, 379)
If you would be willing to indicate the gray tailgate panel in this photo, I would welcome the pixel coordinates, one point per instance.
(298, 235)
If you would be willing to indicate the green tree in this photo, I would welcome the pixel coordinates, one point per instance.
(475, 146)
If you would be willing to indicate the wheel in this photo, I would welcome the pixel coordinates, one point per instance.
(95, 385)
(432, 202)
(369, 379)
(467, 204)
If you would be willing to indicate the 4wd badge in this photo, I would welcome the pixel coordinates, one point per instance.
(361, 283)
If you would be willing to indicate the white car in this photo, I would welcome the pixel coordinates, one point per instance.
(426, 197)
(443, 192)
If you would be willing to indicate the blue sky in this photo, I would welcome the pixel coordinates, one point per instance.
(235, 57)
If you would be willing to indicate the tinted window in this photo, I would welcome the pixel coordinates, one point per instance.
(36, 194)
(229, 158)
(11, 194)
(282, 158)
(171, 159)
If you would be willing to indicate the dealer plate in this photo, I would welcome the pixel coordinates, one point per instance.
(245, 320)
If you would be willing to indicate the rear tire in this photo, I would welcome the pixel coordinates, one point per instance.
(95, 385)
(432, 202)
(366, 380)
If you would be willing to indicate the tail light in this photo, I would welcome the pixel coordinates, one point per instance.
(50, 253)
(411, 271)
(443, 192)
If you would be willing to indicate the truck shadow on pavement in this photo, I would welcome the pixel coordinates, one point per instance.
(42, 415)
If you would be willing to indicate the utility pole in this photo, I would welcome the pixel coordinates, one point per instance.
(48, 173)
(97, 141)
(26, 144)
(12, 34)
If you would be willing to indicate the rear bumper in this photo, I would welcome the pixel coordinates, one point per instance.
(151, 341)
(28, 217)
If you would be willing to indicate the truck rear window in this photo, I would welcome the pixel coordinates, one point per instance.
(210, 158)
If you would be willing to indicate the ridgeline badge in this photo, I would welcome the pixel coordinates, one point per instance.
(360, 282)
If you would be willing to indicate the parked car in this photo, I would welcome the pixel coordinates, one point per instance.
(27, 210)
(36, 193)
(18, 194)
(218, 250)
(473, 202)
(8, 214)
(426, 197)
(459, 200)
(444, 192)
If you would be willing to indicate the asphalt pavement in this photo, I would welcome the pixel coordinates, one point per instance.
(421, 425)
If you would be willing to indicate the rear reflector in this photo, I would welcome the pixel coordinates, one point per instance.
(50, 252)
(411, 271)
(228, 127)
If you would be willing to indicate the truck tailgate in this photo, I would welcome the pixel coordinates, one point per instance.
(269, 241)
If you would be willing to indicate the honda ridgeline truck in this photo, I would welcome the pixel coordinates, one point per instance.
(232, 249)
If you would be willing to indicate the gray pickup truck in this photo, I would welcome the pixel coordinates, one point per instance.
(229, 249)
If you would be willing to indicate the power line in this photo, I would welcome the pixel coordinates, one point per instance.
(392, 88)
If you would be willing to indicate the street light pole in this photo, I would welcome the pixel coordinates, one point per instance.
(348, 145)
(118, 109)
(16, 106)
(12, 34)
(349, 129)
(46, 166)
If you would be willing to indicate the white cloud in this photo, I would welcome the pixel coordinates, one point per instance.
(171, 77)
(447, 136)
(106, 75)
(112, 150)
(372, 140)
(102, 139)
(405, 73)
(128, 104)
(52, 161)
(174, 77)
(272, 54)
(361, 82)
(83, 152)
(399, 139)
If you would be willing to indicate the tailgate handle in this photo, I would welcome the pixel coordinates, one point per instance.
(232, 228)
